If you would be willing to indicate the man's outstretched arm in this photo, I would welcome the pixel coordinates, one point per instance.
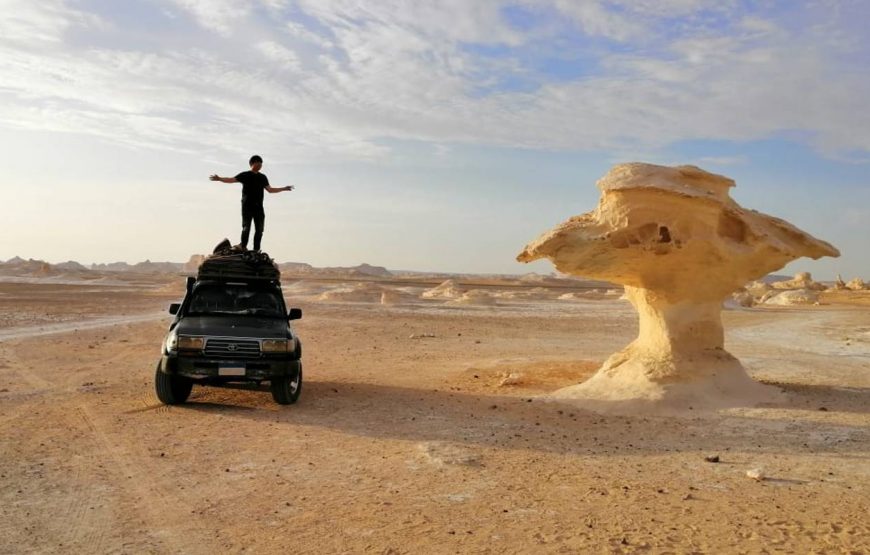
(279, 189)
(216, 177)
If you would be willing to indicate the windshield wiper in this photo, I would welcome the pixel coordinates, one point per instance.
(214, 313)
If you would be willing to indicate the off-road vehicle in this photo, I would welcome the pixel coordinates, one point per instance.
(232, 326)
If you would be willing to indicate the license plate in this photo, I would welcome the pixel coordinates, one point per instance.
(231, 371)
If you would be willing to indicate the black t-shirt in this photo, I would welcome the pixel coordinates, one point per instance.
(253, 185)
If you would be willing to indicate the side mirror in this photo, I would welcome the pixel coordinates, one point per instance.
(174, 308)
(294, 314)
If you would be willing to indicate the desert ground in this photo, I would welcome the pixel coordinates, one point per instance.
(422, 427)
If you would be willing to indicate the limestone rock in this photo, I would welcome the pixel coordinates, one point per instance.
(396, 296)
(44, 270)
(680, 245)
(743, 299)
(511, 378)
(802, 280)
(533, 294)
(476, 297)
(447, 290)
(360, 293)
(756, 474)
(856, 284)
(758, 288)
(793, 297)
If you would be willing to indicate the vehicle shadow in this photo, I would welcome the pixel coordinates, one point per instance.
(486, 419)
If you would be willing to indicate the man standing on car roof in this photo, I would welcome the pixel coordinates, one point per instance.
(253, 184)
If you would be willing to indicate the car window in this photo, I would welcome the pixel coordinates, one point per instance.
(235, 299)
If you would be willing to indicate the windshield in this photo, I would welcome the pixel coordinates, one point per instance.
(228, 298)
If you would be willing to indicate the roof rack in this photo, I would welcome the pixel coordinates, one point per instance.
(242, 266)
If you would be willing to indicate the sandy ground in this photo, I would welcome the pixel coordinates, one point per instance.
(402, 445)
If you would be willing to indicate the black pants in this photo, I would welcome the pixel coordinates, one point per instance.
(256, 214)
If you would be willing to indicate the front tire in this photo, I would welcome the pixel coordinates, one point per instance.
(286, 389)
(171, 389)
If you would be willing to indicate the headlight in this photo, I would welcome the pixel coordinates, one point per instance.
(171, 342)
(276, 346)
(186, 343)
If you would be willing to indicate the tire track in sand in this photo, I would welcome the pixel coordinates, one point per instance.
(66, 327)
(162, 512)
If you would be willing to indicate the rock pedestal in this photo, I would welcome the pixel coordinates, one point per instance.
(680, 245)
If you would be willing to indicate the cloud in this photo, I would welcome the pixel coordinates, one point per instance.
(338, 78)
(595, 19)
(279, 53)
(33, 23)
(217, 15)
(304, 34)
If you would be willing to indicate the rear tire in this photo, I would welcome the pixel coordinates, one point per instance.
(286, 390)
(171, 389)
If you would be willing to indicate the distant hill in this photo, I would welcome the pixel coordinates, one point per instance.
(295, 268)
(71, 265)
(146, 267)
(17, 266)
(369, 270)
(149, 267)
(771, 278)
(111, 267)
(362, 270)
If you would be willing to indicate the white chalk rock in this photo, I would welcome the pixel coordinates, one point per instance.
(359, 293)
(743, 299)
(856, 284)
(802, 280)
(512, 378)
(474, 296)
(793, 297)
(756, 474)
(447, 290)
(680, 245)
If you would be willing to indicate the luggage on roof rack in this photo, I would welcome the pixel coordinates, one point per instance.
(228, 262)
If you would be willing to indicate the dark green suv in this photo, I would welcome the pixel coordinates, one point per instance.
(230, 331)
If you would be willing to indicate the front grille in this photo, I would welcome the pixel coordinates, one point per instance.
(232, 348)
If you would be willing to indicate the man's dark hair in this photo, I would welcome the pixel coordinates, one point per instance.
(255, 160)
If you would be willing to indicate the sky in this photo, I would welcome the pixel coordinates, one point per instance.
(420, 135)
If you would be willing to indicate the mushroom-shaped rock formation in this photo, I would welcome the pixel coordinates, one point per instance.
(680, 245)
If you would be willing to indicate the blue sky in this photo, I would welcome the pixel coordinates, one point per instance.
(420, 135)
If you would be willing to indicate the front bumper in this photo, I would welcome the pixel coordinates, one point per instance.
(199, 368)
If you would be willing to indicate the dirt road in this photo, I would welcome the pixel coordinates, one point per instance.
(403, 445)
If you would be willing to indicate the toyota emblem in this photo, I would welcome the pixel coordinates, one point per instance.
(232, 347)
